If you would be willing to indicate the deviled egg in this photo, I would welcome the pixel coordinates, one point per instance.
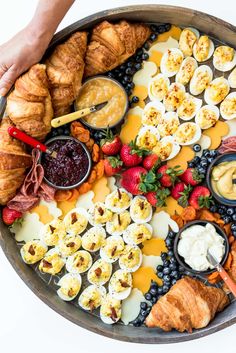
(131, 258)
(186, 71)
(187, 39)
(93, 239)
(174, 96)
(201, 78)
(110, 311)
(203, 49)
(152, 113)
(69, 245)
(147, 138)
(137, 233)
(76, 221)
(112, 248)
(187, 133)
(140, 210)
(171, 61)
(207, 116)
(119, 223)
(52, 262)
(91, 298)
(169, 124)
(224, 58)
(228, 107)
(120, 284)
(100, 272)
(216, 91)
(33, 251)
(70, 285)
(158, 87)
(167, 148)
(99, 214)
(79, 262)
(52, 232)
(232, 78)
(189, 107)
(118, 201)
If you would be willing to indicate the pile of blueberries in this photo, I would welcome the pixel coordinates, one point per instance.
(202, 163)
(227, 213)
(62, 130)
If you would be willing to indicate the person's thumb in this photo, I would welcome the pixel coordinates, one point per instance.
(7, 81)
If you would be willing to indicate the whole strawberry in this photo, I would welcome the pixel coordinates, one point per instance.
(110, 144)
(168, 176)
(158, 198)
(138, 180)
(151, 161)
(180, 192)
(131, 155)
(112, 165)
(9, 216)
(191, 177)
(200, 197)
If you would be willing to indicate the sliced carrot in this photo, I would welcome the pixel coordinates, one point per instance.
(62, 195)
(74, 195)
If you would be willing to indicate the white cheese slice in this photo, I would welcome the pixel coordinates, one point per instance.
(29, 229)
(131, 306)
(143, 76)
(52, 208)
(163, 46)
(151, 261)
(161, 221)
(85, 200)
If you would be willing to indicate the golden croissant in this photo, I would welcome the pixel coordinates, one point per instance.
(189, 304)
(13, 163)
(112, 44)
(65, 69)
(29, 105)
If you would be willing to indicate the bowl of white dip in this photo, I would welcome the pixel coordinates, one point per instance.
(194, 240)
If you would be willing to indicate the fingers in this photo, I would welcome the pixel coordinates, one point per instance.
(7, 80)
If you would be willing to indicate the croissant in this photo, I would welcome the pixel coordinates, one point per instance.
(112, 44)
(13, 163)
(189, 304)
(65, 69)
(29, 105)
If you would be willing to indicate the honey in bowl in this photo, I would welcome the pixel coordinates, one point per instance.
(98, 90)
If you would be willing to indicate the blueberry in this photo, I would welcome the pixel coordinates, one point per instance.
(166, 263)
(153, 37)
(169, 242)
(213, 208)
(191, 164)
(160, 290)
(206, 153)
(154, 28)
(137, 322)
(234, 217)
(174, 274)
(167, 26)
(146, 46)
(166, 278)
(130, 64)
(196, 147)
(154, 284)
(128, 91)
(230, 211)
(164, 256)
(145, 56)
(171, 234)
(135, 99)
(181, 269)
(234, 233)
(139, 52)
(67, 132)
(170, 253)
(202, 170)
(138, 59)
(143, 305)
(233, 227)
(221, 211)
(148, 296)
(173, 281)
(122, 67)
(226, 219)
(161, 29)
(127, 78)
(173, 267)
(60, 131)
(210, 159)
(160, 274)
(130, 85)
(166, 271)
(153, 291)
(138, 66)
(213, 153)
(54, 133)
(203, 163)
(165, 288)
(173, 260)
(154, 300)
(159, 268)
(196, 160)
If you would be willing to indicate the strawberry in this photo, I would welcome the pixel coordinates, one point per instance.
(158, 198)
(191, 176)
(131, 155)
(180, 192)
(200, 197)
(168, 176)
(138, 180)
(112, 165)
(150, 161)
(9, 216)
(110, 144)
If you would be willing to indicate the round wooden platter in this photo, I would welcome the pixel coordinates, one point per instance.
(210, 25)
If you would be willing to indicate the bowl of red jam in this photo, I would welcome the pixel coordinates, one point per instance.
(72, 165)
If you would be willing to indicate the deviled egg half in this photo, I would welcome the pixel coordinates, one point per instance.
(158, 87)
(187, 39)
(228, 107)
(171, 61)
(112, 248)
(70, 285)
(187, 134)
(100, 272)
(91, 298)
(79, 262)
(69, 245)
(76, 221)
(207, 116)
(33, 251)
(99, 214)
(52, 263)
(152, 113)
(118, 201)
(216, 91)
(110, 311)
(224, 58)
(131, 258)
(201, 78)
(169, 124)
(186, 71)
(167, 148)
(119, 223)
(52, 232)
(174, 96)
(147, 138)
(232, 78)
(120, 284)
(203, 49)
(140, 210)
(94, 238)
(189, 107)
(137, 233)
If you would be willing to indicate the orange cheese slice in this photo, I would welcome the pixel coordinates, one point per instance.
(142, 278)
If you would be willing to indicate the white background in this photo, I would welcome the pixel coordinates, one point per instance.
(27, 324)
